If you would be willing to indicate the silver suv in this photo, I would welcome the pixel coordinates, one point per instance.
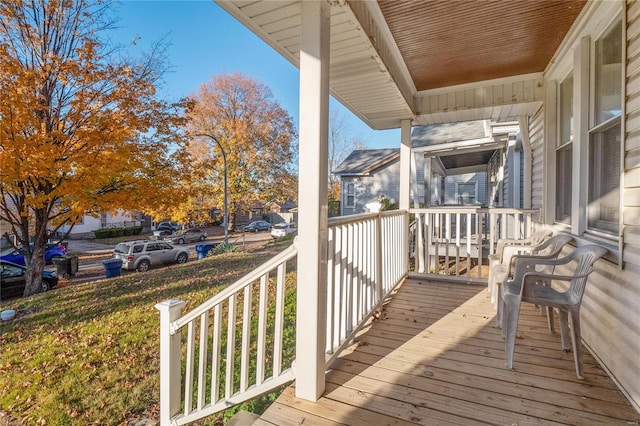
(141, 255)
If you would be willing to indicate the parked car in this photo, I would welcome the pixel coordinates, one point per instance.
(257, 225)
(187, 236)
(165, 228)
(13, 281)
(51, 252)
(282, 229)
(140, 255)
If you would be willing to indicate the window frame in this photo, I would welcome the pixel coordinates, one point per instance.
(597, 127)
(350, 191)
(562, 146)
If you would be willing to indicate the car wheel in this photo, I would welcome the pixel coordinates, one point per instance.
(256, 230)
(201, 237)
(45, 286)
(143, 266)
(181, 241)
(182, 258)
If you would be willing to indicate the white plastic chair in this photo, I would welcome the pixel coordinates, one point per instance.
(549, 249)
(531, 286)
(500, 261)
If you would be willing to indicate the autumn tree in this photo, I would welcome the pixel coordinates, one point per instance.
(341, 144)
(257, 136)
(81, 130)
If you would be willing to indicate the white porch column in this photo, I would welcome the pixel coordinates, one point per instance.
(312, 194)
(405, 165)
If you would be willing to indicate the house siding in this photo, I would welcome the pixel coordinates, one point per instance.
(610, 314)
(384, 181)
(536, 138)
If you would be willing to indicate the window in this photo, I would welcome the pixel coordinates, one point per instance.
(466, 192)
(605, 135)
(564, 151)
(350, 195)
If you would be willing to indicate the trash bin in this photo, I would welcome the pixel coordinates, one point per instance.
(202, 250)
(66, 266)
(113, 267)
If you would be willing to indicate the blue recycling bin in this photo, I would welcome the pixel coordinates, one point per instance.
(202, 250)
(113, 267)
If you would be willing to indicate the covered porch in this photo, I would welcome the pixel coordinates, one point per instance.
(425, 352)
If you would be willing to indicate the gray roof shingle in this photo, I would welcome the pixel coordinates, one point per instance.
(363, 161)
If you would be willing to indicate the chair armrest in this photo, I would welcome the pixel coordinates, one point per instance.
(526, 264)
(537, 276)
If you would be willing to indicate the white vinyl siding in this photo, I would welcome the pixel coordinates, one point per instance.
(536, 136)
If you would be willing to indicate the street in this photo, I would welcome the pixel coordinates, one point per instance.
(91, 253)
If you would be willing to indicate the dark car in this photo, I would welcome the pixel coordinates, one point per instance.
(258, 225)
(13, 281)
(51, 252)
(165, 228)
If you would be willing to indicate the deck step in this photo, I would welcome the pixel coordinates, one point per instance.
(243, 418)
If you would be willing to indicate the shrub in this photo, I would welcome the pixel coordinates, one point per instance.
(102, 233)
(116, 232)
(224, 248)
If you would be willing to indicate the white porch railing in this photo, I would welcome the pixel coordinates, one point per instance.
(368, 257)
(215, 356)
(453, 241)
(207, 364)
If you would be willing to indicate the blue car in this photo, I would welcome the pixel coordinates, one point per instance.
(51, 252)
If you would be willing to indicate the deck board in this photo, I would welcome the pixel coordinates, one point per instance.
(435, 357)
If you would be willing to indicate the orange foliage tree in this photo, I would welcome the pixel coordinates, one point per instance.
(258, 138)
(81, 130)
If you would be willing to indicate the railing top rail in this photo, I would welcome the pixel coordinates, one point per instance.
(345, 220)
(463, 209)
(255, 274)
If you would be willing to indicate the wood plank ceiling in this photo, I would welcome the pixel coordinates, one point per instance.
(446, 43)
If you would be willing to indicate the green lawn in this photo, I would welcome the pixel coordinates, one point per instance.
(88, 353)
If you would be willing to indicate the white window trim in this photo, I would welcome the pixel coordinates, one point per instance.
(475, 190)
(348, 194)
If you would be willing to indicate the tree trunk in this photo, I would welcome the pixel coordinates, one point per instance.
(35, 265)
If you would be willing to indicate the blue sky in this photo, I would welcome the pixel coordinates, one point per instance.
(205, 40)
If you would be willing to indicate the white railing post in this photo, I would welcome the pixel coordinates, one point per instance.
(170, 352)
(378, 257)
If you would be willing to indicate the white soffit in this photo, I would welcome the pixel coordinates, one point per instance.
(359, 79)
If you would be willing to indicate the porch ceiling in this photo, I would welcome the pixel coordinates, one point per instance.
(432, 61)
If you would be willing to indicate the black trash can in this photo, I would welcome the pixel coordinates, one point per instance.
(66, 266)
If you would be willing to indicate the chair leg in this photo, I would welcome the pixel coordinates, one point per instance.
(511, 312)
(577, 341)
(500, 309)
(550, 318)
(564, 329)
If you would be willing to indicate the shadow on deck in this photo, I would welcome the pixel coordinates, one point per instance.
(435, 357)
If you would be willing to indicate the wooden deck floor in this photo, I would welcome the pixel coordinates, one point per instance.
(435, 357)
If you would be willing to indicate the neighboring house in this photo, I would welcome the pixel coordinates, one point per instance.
(119, 219)
(367, 175)
(453, 164)
(277, 212)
